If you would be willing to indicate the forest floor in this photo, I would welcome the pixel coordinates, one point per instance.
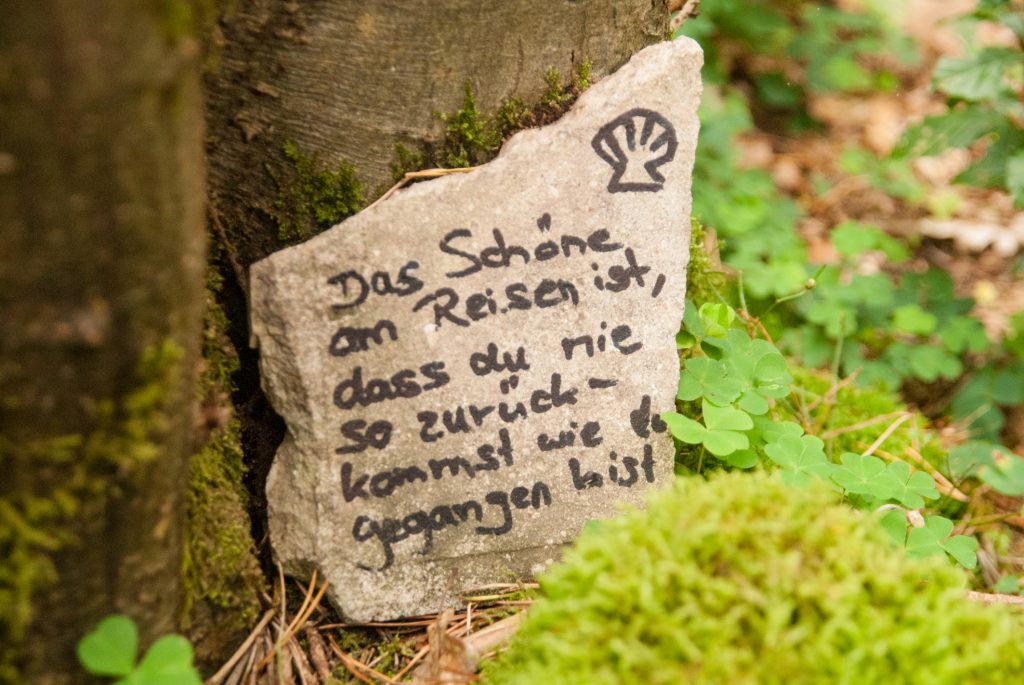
(973, 234)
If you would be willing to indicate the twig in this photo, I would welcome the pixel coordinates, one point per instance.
(243, 666)
(495, 634)
(229, 250)
(301, 663)
(684, 10)
(867, 423)
(507, 586)
(304, 616)
(756, 323)
(1015, 521)
(415, 175)
(885, 435)
(834, 390)
(411, 623)
(283, 616)
(977, 521)
(994, 598)
(309, 605)
(318, 654)
(351, 663)
(944, 483)
(305, 603)
(412, 662)
(217, 677)
(988, 558)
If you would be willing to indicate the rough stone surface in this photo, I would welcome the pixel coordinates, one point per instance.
(473, 369)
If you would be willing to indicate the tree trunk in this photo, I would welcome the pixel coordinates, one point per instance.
(302, 90)
(101, 283)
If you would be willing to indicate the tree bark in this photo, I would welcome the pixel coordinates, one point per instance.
(102, 204)
(347, 81)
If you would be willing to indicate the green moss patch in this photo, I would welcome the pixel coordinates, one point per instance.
(855, 416)
(220, 567)
(742, 579)
(474, 137)
(312, 195)
(75, 473)
(704, 282)
(222, 578)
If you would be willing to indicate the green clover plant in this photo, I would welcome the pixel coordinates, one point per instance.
(110, 650)
(730, 388)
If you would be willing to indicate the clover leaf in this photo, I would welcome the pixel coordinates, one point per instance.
(934, 538)
(977, 76)
(910, 489)
(852, 239)
(692, 329)
(837, 318)
(716, 318)
(861, 475)
(910, 318)
(704, 377)
(962, 333)
(1005, 474)
(771, 431)
(800, 458)
(931, 363)
(1007, 585)
(168, 662)
(110, 649)
(722, 432)
(969, 458)
(894, 523)
(742, 459)
(759, 368)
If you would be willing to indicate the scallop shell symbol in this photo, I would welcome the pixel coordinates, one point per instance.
(636, 144)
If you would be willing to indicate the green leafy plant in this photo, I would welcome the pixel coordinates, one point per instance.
(729, 389)
(801, 458)
(929, 536)
(983, 89)
(877, 319)
(1005, 474)
(722, 432)
(110, 651)
(889, 329)
(735, 378)
(891, 175)
(756, 223)
(781, 50)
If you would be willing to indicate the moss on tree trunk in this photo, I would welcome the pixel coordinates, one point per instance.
(223, 581)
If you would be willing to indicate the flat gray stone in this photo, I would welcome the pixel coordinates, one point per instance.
(473, 369)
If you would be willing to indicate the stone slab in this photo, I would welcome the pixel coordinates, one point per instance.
(473, 369)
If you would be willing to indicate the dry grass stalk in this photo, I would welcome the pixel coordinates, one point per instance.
(418, 176)
(994, 598)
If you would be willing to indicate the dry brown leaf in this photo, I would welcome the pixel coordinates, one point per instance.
(975, 235)
(450, 661)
